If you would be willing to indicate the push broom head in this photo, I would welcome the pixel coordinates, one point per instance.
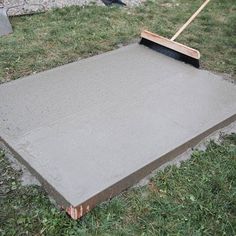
(170, 48)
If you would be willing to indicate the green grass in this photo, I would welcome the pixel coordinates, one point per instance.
(44, 41)
(198, 198)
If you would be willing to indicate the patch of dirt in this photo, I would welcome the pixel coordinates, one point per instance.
(26, 177)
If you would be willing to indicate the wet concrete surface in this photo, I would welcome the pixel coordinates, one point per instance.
(89, 125)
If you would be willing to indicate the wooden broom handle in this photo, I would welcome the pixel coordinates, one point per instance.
(190, 20)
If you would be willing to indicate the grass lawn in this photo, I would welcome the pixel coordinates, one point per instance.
(199, 197)
(44, 41)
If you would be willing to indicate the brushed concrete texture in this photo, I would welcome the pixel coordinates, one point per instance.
(5, 25)
(85, 126)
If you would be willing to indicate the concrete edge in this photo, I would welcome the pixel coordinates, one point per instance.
(76, 212)
(61, 201)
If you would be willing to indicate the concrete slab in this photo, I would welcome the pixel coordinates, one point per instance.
(92, 128)
(5, 25)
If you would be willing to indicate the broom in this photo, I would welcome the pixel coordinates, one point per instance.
(171, 48)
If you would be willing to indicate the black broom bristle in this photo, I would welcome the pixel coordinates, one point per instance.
(170, 52)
